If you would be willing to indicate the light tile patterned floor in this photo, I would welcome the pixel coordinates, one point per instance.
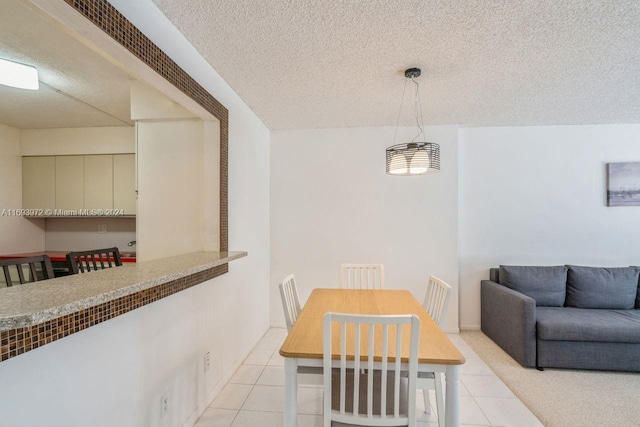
(255, 394)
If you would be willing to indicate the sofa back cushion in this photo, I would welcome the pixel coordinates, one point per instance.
(600, 287)
(638, 291)
(494, 275)
(546, 285)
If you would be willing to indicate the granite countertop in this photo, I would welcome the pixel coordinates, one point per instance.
(33, 303)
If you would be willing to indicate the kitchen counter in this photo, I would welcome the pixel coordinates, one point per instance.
(36, 314)
(61, 256)
(33, 303)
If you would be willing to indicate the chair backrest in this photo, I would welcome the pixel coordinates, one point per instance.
(290, 302)
(31, 264)
(362, 276)
(436, 300)
(351, 407)
(95, 259)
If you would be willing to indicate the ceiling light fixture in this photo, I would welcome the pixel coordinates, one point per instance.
(18, 75)
(415, 157)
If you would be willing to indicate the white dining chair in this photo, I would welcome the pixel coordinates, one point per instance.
(436, 303)
(291, 306)
(436, 299)
(362, 276)
(377, 397)
(290, 301)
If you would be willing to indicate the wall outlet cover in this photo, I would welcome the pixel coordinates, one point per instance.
(164, 404)
(207, 361)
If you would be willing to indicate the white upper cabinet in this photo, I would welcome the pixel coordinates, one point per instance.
(72, 183)
(124, 191)
(98, 182)
(69, 182)
(39, 182)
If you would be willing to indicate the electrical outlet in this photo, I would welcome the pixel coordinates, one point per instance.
(164, 405)
(102, 229)
(207, 361)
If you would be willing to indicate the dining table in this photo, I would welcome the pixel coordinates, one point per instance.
(303, 346)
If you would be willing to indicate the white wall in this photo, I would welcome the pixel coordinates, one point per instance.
(537, 196)
(81, 234)
(115, 373)
(178, 166)
(333, 203)
(170, 188)
(69, 141)
(211, 185)
(18, 234)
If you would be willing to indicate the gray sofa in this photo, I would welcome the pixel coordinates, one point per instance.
(565, 316)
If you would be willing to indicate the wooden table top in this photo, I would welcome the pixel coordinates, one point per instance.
(305, 338)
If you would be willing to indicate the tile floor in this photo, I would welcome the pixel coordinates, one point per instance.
(254, 397)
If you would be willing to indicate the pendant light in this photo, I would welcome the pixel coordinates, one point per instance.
(18, 75)
(416, 157)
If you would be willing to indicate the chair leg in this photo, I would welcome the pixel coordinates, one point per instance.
(427, 401)
(439, 399)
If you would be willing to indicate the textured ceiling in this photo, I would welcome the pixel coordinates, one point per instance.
(332, 63)
(78, 87)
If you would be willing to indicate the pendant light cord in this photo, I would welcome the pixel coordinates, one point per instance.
(417, 108)
(404, 89)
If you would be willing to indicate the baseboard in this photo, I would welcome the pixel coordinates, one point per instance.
(451, 330)
(469, 327)
(191, 420)
(278, 325)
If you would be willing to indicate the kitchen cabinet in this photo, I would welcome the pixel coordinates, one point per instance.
(79, 183)
(38, 182)
(98, 182)
(69, 182)
(124, 178)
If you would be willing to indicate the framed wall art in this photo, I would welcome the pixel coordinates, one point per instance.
(623, 184)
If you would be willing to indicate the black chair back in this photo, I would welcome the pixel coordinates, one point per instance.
(43, 273)
(96, 259)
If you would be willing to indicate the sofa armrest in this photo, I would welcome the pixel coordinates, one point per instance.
(509, 319)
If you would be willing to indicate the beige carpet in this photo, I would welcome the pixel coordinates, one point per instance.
(564, 397)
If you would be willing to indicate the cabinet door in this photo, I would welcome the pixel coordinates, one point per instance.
(124, 183)
(98, 182)
(39, 182)
(69, 182)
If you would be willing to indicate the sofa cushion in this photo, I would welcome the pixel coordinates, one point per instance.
(599, 287)
(546, 285)
(581, 324)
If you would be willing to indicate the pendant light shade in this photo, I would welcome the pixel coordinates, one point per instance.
(415, 157)
(397, 162)
(18, 75)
